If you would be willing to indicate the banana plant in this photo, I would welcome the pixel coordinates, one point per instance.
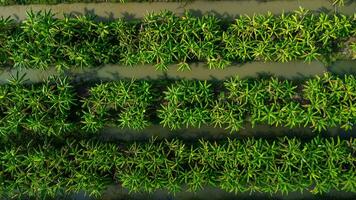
(37, 108)
(128, 100)
(161, 39)
(187, 104)
(235, 165)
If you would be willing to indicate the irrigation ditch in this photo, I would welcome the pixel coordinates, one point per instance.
(132, 10)
(294, 70)
(116, 192)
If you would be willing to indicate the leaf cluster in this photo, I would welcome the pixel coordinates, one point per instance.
(123, 104)
(300, 35)
(248, 165)
(319, 103)
(186, 104)
(54, 108)
(43, 109)
(163, 38)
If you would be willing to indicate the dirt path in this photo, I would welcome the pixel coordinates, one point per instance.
(290, 70)
(214, 134)
(138, 10)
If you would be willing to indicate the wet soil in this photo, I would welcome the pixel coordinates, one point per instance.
(132, 10)
(199, 71)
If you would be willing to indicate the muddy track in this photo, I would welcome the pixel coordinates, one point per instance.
(290, 70)
(228, 9)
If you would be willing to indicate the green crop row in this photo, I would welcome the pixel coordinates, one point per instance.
(21, 2)
(249, 165)
(319, 103)
(58, 107)
(44, 108)
(42, 41)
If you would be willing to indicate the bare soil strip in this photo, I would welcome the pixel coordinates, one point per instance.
(290, 70)
(138, 10)
(117, 192)
(216, 133)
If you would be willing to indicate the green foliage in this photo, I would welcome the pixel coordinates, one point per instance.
(52, 108)
(7, 26)
(320, 103)
(166, 38)
(284, 38)
(186, 104)
(249, 165)
(43, 109)
(47, 172)
(324, 95)
(163, 38)
(122, 103)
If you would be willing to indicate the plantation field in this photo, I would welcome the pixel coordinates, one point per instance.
(242, 99)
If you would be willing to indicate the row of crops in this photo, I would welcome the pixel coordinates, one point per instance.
(55, 108)
(283, 165)
(51, 133)
(249, 165)
(164, 38)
